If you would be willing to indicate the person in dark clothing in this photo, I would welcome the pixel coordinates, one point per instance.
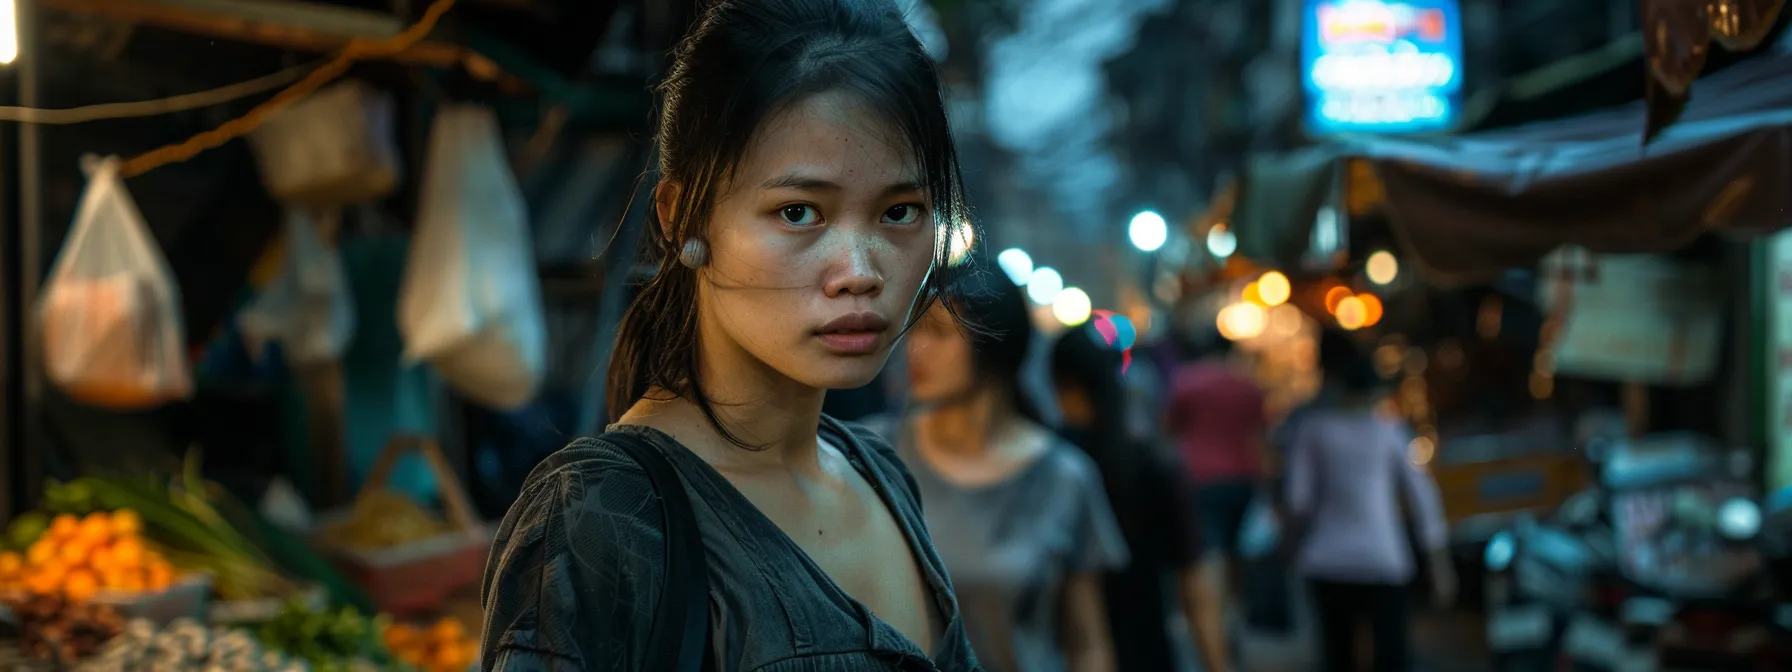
(806, 183)
(1151, 500)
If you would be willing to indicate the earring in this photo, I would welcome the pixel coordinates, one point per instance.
(694, 253)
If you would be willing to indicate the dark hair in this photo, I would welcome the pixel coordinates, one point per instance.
(1346, 365)
(742, 63)
(1000, 330)
(1085, 361)
(1082, 359)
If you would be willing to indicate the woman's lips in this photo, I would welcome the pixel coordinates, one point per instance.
(850, 342)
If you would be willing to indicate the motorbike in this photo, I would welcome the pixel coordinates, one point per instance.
(1669, 561)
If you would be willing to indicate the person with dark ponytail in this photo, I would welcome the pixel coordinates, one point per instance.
(1019, 514)
(1152, 501)
(806, 180)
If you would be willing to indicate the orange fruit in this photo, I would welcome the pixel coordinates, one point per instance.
(447, 630)
(42, 583)
(126, 522)
(96, 526)
(41, 551)
(63, 526)
(11, 563)
(76, 551)
(80, 585)
(158, 577)
(127, 552)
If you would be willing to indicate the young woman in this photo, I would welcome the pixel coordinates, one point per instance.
(1348, 467)
(805, 169)
(1018, 513)
(1150, 495)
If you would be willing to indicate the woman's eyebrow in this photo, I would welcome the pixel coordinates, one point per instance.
(802, 182)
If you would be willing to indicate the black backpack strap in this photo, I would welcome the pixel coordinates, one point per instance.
(680, 636)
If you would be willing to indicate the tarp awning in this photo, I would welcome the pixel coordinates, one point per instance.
(1472, 205)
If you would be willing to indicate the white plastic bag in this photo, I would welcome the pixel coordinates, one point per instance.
(471, 302)
(332, 148)
(308, 308)
(110, 310)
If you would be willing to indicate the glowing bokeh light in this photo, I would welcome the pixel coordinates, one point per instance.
(1382, 267)
(1221, 243)
(1071, 306)
(1044, 284)
(1017, 264)
(1334, 296)
(964, 237)
(1241, 321)
(1350, 313)
(1372, 308)
(1274, 289)
(1148, 231)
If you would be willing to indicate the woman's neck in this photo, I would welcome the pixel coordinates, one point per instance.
(966, 426)
(775, 416)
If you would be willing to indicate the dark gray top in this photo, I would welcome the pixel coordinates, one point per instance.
(1013, 545)
(575, 572)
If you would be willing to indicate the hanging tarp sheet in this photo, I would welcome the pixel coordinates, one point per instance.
(1471, 206)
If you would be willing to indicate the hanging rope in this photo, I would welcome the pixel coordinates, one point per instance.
(356, 50)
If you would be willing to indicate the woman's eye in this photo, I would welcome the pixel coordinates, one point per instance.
(799, 215)
(906, 213)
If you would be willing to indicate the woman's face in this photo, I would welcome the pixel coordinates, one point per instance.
(819, 242)
(939, 358)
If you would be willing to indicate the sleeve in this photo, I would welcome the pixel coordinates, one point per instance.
(1302, 485)
(574, 577)
(1099, 545)
(1425, 508)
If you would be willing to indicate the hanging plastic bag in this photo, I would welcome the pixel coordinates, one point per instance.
(471, 302)
(308, 309)
(110, 310)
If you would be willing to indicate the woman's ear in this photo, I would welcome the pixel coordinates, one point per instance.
(665, 205)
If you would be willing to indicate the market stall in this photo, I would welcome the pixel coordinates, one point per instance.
(264, 466)
(1604, 216)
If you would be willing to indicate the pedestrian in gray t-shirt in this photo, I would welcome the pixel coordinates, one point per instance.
(1018, 514)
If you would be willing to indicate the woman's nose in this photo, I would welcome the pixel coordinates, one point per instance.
(855, 272)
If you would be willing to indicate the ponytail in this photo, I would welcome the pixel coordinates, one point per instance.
(656, 344)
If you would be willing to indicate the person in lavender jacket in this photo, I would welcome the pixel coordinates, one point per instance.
(1348, 469)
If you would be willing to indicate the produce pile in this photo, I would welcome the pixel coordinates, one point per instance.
(56, 630)
(185, 517)
(382, 518)
(444, 647)
(77, 557)
(327, 640)
(186, 645)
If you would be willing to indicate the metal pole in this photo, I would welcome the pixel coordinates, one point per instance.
(32, 445)
(12, 498)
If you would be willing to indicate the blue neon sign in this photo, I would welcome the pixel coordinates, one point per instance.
(1381, 66)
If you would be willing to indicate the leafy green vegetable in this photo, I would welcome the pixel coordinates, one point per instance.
(327, 639)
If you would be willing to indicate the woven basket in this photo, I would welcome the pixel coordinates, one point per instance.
(420, 575)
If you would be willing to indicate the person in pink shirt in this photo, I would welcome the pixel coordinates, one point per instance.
(1215, 415)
